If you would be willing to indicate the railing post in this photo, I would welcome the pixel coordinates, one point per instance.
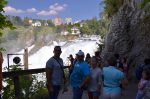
(16, 87)
(25, 58)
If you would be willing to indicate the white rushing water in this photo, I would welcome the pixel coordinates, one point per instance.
(38, 59)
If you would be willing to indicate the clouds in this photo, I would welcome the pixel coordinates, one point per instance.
(10, 9)
(51, 10)
(31, 10)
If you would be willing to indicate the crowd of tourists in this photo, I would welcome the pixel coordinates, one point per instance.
(86, 73)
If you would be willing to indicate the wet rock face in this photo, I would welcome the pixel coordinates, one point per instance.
(129, 33)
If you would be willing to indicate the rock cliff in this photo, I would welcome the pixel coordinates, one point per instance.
(129, 33)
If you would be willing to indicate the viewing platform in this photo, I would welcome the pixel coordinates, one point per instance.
(128, 93)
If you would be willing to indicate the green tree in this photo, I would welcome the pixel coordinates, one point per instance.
(103, 26)
(90, 27)
(26, 21)
(144, 3)
(18, 20)
(111, 7)
(4, 23)
(50, 23)
(68, 27)
(85, 29)
(30, 87)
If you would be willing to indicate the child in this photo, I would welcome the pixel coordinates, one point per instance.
(142, 84)
(94, 86)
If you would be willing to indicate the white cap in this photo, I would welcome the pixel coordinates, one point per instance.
(80, 53)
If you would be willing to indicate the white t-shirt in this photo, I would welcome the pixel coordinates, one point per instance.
(96, 79)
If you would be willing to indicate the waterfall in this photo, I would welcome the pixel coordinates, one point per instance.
(38, 59)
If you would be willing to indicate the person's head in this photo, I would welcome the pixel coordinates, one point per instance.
(80, 55)
(1, 58)
(93, 62)
(97, 53)
(147, 61)
(146, 74)
(112, 61)
(88, 55)
(57, 51)
(70, 56)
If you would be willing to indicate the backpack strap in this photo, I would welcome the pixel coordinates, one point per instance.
(61, 66)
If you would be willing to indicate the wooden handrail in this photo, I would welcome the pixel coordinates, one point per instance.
(25, 72)
(15, 76)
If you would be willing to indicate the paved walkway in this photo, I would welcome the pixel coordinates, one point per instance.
(128, 93)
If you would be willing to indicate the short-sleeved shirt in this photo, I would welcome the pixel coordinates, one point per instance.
(80, 72)
(112, 77)
(143, 83)
(147, 91)
(96, 79)
(57, 74)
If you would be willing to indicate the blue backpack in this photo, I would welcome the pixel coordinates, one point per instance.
(139, 70)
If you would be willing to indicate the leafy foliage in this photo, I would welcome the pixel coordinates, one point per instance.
(4, 22)
(111, 7)
(104, 25)
(31, 88)
(96, 27)
(144, 4)
(90, 27)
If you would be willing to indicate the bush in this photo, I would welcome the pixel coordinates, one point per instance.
(30, 86)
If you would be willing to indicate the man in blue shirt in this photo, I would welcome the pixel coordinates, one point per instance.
(80, 76)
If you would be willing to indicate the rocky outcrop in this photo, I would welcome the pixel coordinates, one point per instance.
(129, 33)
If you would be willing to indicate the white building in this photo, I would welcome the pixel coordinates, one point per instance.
(64, 32)
(30, 22)
(75, 30)
(45, 24)
(58, 21)
(37, 23)
(68, 20)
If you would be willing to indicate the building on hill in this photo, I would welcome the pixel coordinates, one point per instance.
(30, 21)
(64, 32)
(37, 23)
(58, 21)
(45, 24)
(68, 20)
(75, 30)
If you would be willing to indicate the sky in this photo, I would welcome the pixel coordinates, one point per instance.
(49, 9)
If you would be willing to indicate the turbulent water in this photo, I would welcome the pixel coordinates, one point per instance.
(38, 59)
